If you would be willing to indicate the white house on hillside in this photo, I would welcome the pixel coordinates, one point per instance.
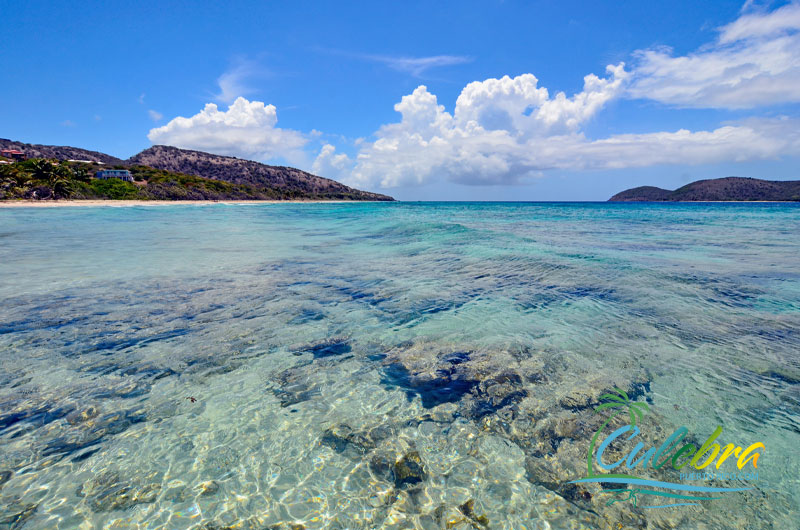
(122, 174)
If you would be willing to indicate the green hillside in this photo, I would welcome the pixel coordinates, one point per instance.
(42, 179)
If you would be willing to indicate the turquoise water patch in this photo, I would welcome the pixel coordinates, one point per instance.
(407, 365)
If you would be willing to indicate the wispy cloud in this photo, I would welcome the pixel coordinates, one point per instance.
(756, 5)
(417, 66)
(755, 61)
(235, 82)
(155, 115)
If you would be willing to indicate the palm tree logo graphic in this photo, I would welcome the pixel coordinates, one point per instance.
(619, 401)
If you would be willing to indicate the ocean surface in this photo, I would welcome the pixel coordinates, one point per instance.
(407, 365)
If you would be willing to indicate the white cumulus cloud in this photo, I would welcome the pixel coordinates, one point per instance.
(489, 137)
(755, 61)
(519, 105)
(330, 164)
(503, 131)
(506, 130)
(247, 129)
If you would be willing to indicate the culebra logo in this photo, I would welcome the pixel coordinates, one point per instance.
(670, 493)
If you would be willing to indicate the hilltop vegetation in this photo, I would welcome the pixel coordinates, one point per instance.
(59, 152)
(165, 173)
(42, 179)
(230, 169)
(722, 189)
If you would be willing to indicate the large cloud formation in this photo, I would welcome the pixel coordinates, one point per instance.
(508, 130)
(491, 138)
(247, 129)
(504, 131)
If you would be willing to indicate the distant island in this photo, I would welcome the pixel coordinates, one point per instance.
(722, 189)
(47, 172)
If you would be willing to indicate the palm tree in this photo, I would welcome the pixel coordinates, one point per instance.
(41, 169)
(9, 171)
(57, 176)
(61, 181)
(619, 401)
(62, 187)
(80, 173)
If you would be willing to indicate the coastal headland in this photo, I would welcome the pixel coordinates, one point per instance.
(160, 173)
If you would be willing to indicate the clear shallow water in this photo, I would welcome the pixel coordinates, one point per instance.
(385, 365)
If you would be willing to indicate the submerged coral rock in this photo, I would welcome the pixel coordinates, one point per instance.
(295, 386)
(5, 476)
(251, 523)
(327, 348)
(578, 399)
(108, 492)
(80, 416)
(382, 466)
(124, 497)
(468, 509)
(209, 487)
(178, 494)
(434, 378)
(341, 438)
(494, 394)
(16, 515)
(409, 470)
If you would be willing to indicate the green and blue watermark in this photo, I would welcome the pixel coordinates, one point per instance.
(690, 462)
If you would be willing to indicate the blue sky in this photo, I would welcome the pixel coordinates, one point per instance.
(412, 98)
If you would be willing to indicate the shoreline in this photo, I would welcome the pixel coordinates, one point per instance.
(128, 202)
(124, 202)
(691, 202)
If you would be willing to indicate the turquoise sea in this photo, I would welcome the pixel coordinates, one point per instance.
(406, 365)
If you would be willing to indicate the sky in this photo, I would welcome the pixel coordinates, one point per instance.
(466, 100)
